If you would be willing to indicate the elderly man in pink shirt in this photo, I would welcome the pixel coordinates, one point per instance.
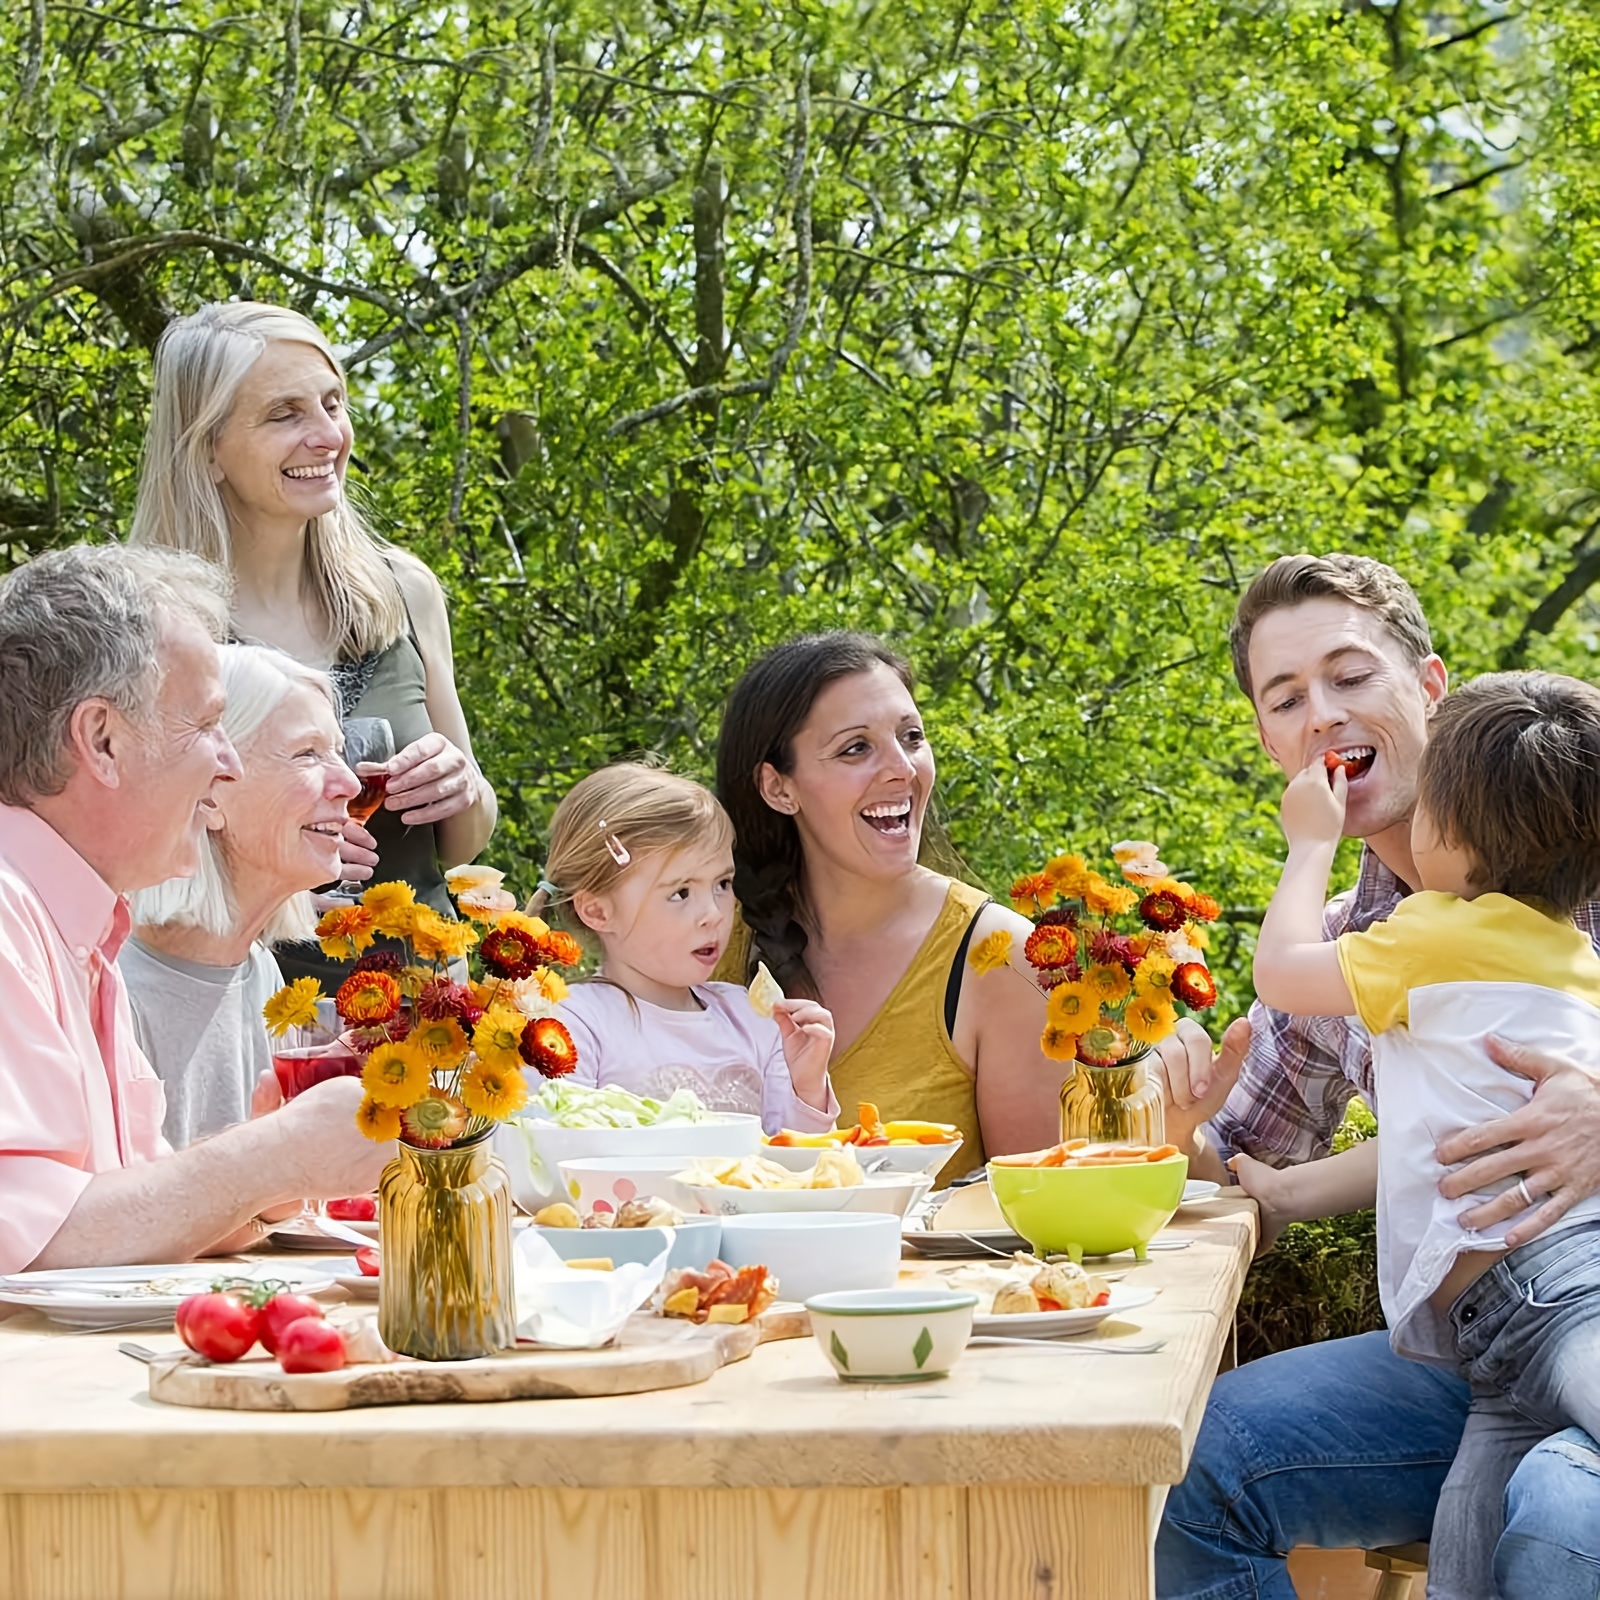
(111, 748)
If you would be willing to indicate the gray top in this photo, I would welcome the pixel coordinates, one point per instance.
(201, 1029)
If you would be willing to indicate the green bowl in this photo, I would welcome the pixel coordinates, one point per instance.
(1096, 1211)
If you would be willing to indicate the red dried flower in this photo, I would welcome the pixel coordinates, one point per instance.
(440, 998)
(1051, 946)
(547, 1047)
(511, 953)
(1049, 977)
(1164, 910)
(1193, 984)
(378, 961)
(1060, 917)
(1113, 949)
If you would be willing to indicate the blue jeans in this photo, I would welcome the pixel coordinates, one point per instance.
(1527, 1335)
(1346, 1444)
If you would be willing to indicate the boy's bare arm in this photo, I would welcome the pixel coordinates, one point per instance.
(1327, 1188)
(1296, 969)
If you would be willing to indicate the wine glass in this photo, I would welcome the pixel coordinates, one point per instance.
(304, 1057)
(366, 740)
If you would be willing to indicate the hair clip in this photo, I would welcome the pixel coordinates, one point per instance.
(619, 851)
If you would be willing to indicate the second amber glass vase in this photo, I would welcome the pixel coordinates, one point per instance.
(444, 1223)
(1120, 1104)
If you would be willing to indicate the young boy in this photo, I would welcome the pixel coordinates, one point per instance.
(1506, 839)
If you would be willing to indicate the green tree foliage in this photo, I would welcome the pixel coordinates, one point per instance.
(1022, 334)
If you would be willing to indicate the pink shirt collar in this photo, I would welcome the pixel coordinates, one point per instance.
(89, 913)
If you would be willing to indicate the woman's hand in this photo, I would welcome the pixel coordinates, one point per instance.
(429, 781)
(1553, 1141)
(806, 1029)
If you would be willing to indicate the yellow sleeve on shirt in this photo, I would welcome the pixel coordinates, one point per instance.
(1436, 938)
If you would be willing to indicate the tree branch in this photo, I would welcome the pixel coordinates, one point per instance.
(1581, 577)
(458, 482)
(652, 317)
(1488, 175)
(690, 397)
(35, 61)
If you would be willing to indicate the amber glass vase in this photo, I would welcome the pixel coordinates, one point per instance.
(1113, 1105)
(444, 1221)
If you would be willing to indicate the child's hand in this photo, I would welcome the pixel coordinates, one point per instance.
(1313, 805)
(806, 1029)
(1264, 1185)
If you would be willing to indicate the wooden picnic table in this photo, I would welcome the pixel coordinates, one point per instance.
(1028, 1474)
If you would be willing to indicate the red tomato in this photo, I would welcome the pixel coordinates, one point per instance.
(1332, 760)
(309, 1344)
(358, 1208)
(220, 1327)
(1102, 1299)
(280, 1311)
(367, 1260)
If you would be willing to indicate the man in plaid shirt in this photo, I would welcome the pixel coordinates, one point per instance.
(1344, 1443)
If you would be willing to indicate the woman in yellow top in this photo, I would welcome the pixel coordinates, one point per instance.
(827, 773)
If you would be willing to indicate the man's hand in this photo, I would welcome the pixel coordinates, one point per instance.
(1195, 1080)
(429, 781)
(1313, 805)
(1553, 1141)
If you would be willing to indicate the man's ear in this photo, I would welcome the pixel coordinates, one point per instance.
(1266, 744)
(594, 911)
(95, 733)
(1435, 682)
(773, 787)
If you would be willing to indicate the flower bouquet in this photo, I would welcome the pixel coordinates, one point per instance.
(442, 1061)
(1116, 960)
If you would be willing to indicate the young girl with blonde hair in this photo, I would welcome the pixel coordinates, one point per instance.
(645, 860)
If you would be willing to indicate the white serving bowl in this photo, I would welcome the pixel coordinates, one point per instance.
(895, 1195)
(897, 1158)
(607, 1183)
(695, 1242)
(533, 1151)
(810, 1254)
(891, 1335)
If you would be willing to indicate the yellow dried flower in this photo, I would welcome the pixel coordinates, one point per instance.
(991, 953)
(437, 938)
(497, 1039)
(293, 1006)
(396, 1075)
(494, 1092)
(1109, 983)
(379, 1122)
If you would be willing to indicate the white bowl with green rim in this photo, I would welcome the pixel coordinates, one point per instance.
(891, 1335)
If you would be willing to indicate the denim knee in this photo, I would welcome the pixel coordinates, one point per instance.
(1551, 1546)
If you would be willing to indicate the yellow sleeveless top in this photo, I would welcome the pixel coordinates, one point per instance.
(904, 1061)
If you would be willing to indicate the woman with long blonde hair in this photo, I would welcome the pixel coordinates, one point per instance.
(244, 464)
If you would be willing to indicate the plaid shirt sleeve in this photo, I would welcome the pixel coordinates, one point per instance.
(1302, 1072)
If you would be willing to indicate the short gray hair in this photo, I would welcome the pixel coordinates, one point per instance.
(257, 680)
(83, 624)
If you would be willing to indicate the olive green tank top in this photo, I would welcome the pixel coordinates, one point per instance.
(396, 690)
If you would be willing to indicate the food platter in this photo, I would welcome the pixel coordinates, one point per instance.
(148, 1296)
(1064, 1324)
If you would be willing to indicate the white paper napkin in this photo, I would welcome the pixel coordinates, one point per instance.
(578, 1310)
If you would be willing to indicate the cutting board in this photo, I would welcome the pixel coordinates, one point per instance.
(651, 1353)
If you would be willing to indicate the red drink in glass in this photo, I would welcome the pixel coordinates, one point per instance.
(299, 1069)
(373, 789)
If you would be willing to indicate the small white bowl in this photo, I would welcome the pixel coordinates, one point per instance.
(896, 1158)
(533, 1150)
(607, 1183)
(811, 1255)
(892, 1335)
(695, 1242)
(895, 1195)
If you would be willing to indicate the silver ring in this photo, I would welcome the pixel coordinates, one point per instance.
(1527, 1194)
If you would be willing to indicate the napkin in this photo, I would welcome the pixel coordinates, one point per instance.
(578, 1310)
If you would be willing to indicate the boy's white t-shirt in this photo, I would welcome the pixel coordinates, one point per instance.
(1430, 983)
(727, 1053)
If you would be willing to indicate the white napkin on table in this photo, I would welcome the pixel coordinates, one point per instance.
(578, 1310)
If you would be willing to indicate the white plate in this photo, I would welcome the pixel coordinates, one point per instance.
(1063, 1324)
(1196, 1191)
(302, 1235)
(980, 1242)
(892, 1194)
(111, 1297)
(358, 1286)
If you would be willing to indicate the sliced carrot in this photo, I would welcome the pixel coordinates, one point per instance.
(1162, 1152)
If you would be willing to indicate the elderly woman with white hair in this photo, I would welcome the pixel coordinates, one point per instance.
(199, 967)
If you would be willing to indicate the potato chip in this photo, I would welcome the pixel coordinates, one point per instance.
(764, 991)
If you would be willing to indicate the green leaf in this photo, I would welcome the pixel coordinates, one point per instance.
(923, 1348)
(840, 1354)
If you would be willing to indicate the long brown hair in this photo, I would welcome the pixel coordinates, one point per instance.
(768, 706)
